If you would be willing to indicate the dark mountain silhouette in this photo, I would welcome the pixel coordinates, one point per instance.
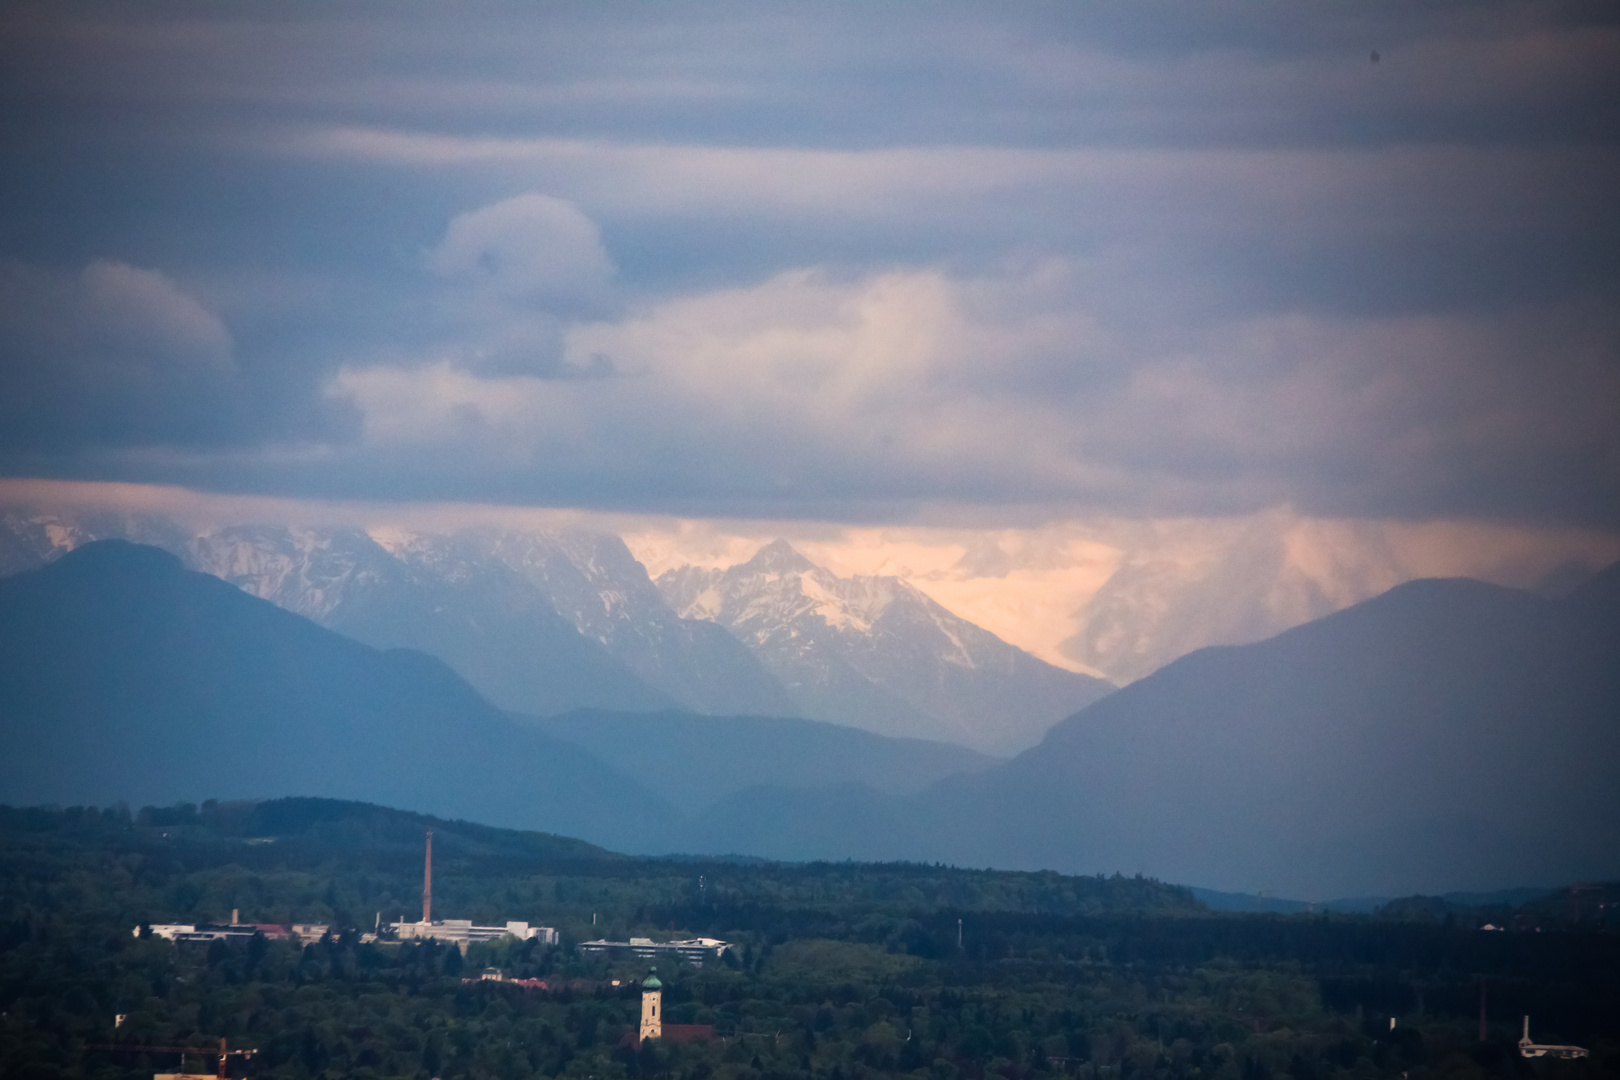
(1445, 735)
(123, 675)
(537, 623)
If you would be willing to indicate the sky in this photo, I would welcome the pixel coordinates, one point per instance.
(1003, 298)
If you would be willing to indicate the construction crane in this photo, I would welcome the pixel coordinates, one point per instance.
(200, 1051)
(1534, 1050)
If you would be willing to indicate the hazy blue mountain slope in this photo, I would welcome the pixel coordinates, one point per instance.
(835, 823)
(1446, 735)
(123, 675)
(696, 761)
(877, 653)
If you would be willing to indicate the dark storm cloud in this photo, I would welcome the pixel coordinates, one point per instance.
(836, 261)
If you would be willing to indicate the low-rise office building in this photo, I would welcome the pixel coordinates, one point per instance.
(694, 951)
(237, 931)
(462, 932)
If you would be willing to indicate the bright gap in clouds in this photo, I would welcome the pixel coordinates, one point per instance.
(1121, 597)
(1105, 596)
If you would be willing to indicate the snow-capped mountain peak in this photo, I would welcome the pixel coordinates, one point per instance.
(309, 571)
(878, 653)
(779, 557)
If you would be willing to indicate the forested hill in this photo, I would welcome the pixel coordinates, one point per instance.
(299, 828)
(324, 860)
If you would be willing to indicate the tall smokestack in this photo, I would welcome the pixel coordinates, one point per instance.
(427, 882)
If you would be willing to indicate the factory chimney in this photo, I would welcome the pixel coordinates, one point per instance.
(427, 882)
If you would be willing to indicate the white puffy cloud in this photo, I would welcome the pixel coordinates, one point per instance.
(802, 381)
(531, 247)
(892, 391)
(518, 270)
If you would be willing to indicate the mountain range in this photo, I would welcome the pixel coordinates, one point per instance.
(1445, 735)
(548, 621)
(125, 676)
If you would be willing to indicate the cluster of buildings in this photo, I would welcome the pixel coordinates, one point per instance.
(236, 930)
(458, 932)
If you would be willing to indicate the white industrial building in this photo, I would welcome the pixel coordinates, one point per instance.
(236, 931)
(462, 932)
(693, 950)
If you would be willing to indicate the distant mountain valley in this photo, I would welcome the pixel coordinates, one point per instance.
(542, 623)
(1447, 735)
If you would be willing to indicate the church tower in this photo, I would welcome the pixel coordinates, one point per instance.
(652, 1012)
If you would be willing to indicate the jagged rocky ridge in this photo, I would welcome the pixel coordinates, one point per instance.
(544, 622)
(879, 653)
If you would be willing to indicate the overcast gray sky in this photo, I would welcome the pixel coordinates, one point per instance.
(858, 263)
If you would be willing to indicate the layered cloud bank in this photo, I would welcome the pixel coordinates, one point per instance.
(889, 395)
(939, 267)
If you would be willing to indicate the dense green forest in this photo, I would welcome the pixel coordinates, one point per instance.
(840, 971)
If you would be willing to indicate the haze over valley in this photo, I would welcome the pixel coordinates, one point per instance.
(1433, 736)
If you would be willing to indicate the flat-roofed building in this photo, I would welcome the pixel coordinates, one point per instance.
(694, 951)
(304, 932)
(462, 932)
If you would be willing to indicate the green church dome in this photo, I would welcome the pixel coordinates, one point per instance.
(652, 982)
